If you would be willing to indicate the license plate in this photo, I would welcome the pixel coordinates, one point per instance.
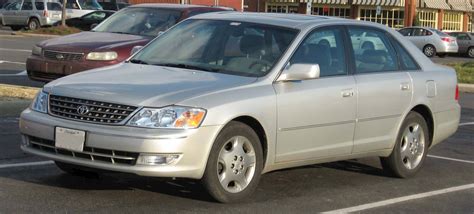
(70, 139)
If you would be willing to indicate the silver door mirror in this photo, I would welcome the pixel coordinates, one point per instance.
(297, 72)
(135, 49)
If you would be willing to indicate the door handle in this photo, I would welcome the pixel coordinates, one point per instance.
(405, 86)
(347, 93)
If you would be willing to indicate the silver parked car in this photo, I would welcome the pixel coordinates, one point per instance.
(465, 42)
(431, 41)
(226, 97)
(31, 13)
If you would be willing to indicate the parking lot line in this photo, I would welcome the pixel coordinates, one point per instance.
(3, 166)
(452, 159)
(401, 199)
(10, 62)
(23, 73)
(10, 49)
(466, 124)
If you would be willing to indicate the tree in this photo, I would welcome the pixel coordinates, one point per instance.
(63, 14)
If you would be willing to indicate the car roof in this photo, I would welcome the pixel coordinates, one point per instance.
(277, 19)
(170, 6)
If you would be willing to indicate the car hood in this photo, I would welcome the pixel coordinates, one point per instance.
(143, 85)
(88, 41)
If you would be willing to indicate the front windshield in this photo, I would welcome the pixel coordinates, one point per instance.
(90, 5)
(140, 21)
(239, 48)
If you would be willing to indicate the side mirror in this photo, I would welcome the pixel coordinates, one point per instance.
(298, 72)
(135, 50)
(94, 25)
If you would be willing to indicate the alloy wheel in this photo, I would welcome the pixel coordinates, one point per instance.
(471, 52)
(412, 146)
(429, 51)
(236, 164)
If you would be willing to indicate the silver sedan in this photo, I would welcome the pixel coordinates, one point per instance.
(226, 97)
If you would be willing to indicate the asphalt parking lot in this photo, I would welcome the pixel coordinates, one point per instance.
(31, 184)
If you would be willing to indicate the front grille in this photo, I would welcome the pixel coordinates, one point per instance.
(89, 153)
(92, 111)
(62, 56)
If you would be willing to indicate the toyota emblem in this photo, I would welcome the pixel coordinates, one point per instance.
(82, 110)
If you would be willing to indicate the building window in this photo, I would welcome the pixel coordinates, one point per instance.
(427, 18)
(282, 8)
(342, 12)
(469, 24)
(389, 17)
(452, 21)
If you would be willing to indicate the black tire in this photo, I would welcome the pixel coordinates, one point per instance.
(16, 28)
(210, 179)
(470, 52)
(33, 24)
(429, 51)
(75, 170)
(394, 164)
(442, 55)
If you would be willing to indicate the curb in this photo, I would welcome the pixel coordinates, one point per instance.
(17, 92)
(35, 35)
(468, 88)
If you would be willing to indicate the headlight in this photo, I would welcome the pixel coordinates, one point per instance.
(36, 50)
(40, 103)
(102, 56)
(177, 117)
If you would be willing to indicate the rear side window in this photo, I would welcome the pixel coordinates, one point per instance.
(372, 53)
(406, 60)
(27, 5)
(324, 47)
(39, 5)
(54, 6)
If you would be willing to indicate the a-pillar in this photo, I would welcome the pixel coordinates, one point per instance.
(440, 19)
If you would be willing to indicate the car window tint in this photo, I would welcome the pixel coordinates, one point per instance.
(54, 6)
(406, 60)
(406, 32)
(325, 48)
(419, 32)
(463, 36)
(27, 5)
(372, 54)
(39, 5)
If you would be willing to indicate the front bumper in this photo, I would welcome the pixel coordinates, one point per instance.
(193, 146)
(42, 69)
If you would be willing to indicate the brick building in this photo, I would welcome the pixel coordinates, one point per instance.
(448, 15)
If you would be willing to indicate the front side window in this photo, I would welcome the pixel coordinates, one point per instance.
(228, 47)
(14, 6)
(140, 21)
(325, 48)
(372, 53)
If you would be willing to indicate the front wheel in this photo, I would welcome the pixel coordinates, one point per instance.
(235, 164)
(410, 149)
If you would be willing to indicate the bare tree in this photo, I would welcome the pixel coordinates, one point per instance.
(63, 14)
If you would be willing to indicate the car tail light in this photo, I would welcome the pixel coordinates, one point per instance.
(456, 95)
(446, 39)
(45, 13)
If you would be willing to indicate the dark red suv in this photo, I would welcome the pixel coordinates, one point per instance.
(109, 43)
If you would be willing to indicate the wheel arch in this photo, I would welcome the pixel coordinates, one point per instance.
(426, 113)
(259, 130)
(33, 17)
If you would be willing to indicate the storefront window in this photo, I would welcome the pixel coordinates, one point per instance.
(390, 17)
(452, 21)
(427, 18)
(337, 11)
(281, 8)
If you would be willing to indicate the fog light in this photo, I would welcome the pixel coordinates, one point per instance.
(24, 141)
(155, 159)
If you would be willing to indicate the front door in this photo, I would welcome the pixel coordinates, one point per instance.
(316, 118)
(384, 93)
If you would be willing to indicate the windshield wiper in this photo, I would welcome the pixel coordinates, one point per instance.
(138, 61)
(186, 66)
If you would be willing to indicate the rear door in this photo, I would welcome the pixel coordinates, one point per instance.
(25, 12)
(383, 89)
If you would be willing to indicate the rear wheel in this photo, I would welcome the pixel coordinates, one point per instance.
(429, 50)
(235, 164)
(470, 52)
(410, 149)
(33, 24)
